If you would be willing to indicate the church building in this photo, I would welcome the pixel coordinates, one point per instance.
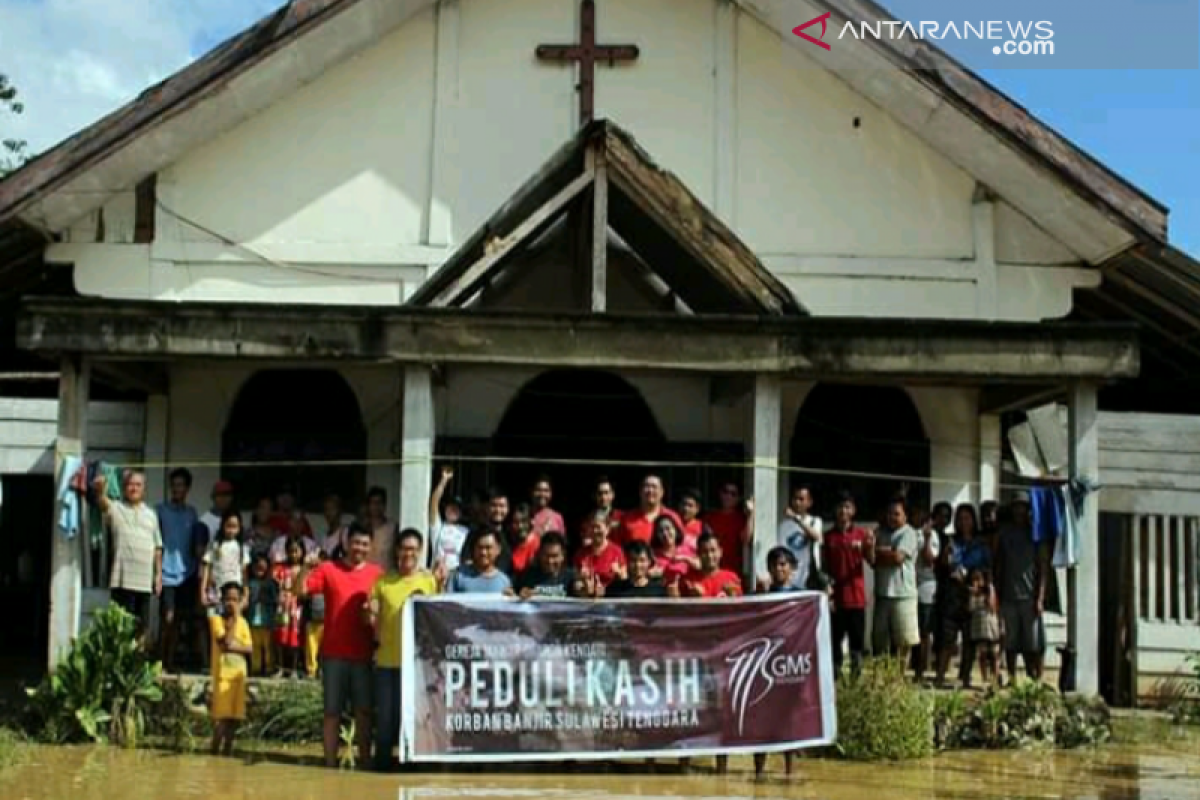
(591, 237)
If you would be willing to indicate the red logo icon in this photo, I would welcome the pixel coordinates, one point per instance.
(799, 31)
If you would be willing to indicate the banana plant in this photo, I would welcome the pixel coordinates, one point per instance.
(101, 689)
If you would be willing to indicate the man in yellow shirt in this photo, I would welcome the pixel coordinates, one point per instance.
(403, 580)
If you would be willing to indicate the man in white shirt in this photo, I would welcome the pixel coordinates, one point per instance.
(447, 534)
(800, 532)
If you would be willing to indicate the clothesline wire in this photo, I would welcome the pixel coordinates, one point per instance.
(600, 465)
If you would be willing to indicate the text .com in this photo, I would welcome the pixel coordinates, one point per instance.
(1011, 38)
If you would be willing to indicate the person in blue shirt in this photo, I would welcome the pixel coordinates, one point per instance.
(481, 576)
(180, 559)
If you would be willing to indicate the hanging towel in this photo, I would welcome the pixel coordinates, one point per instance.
(1048, 509)
(68, 500)
(112, 489)
(1067, 548)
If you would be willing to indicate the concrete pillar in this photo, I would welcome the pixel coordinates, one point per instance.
(67, 555)
(1083, 581)
(991, 449)
(154, 455)
(767, 402)
(154, 451)
(416, 473)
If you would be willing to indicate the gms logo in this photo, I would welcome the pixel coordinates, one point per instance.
(758, 668)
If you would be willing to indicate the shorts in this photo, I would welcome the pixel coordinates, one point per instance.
(926, 614)
(346, 683)
(895, 624)
(180, 600)
(136, 603)
(1024, 631)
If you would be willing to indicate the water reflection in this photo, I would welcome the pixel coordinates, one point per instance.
(111, 774)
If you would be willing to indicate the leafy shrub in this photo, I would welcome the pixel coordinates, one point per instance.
(291, 713)
(181, 720)
(882, 716)
(1028, 714)
(101, 690)
(287, 713)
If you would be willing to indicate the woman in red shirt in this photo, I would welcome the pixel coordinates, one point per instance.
(842, 557)
(674, 556)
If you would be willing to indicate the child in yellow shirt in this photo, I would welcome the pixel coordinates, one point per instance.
(231, 647)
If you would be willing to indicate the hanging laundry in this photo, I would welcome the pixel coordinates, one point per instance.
(68, 499)
(112, 489)
(1048, 510)
(1067, 547)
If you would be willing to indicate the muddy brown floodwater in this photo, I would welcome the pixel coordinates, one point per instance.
(1164, 771)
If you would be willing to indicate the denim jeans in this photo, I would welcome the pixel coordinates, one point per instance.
(387, 715)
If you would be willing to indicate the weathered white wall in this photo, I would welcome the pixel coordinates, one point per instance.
(28, 429)
(202, 397)
(352, 188)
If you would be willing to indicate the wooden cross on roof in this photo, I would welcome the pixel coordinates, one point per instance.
(587, 53)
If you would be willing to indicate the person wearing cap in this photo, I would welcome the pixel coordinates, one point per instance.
(447, 534)
(1021, 568)
(222, 501)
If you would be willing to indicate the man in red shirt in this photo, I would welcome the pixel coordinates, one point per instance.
(710, 580)
(842, 558)
(597, 564)
(638, 525)
(348, 643)
(604, 498)
(524, 539)
(734, 526)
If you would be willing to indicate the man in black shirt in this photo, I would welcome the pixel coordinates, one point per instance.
(496, 522)
(550, 577)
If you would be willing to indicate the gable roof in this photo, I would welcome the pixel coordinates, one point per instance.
(691, 250)
(911, 80)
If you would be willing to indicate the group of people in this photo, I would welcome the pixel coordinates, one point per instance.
(271, 592)
(956, 580)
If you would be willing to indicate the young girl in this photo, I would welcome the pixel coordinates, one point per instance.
(314, 627)
(231, 644)
(288, 617)
(225, 561)
(985, 627)
(263, 600)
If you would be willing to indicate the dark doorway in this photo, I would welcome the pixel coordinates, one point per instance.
(25, 544)
(594, 418)
(846, 432)
(282, 417)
